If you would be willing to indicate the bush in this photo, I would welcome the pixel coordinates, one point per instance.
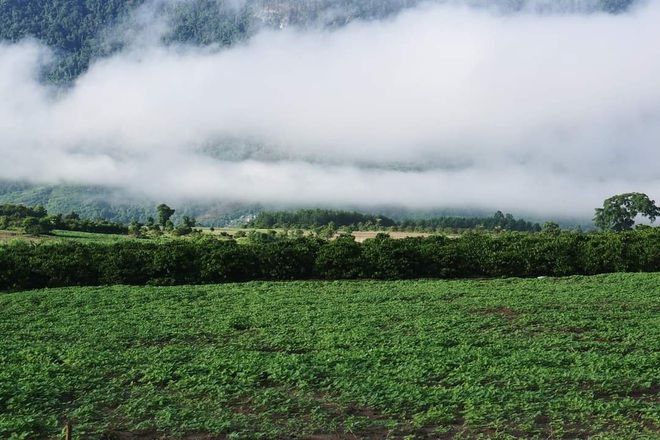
(25, 265)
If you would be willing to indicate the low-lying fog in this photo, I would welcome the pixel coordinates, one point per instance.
(545, 112)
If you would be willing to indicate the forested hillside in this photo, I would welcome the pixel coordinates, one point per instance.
(93, 202)
(80, 31)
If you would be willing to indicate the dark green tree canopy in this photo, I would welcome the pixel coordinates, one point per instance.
(164, 213)
(619, 212)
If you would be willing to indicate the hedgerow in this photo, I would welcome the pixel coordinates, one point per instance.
(208, 260)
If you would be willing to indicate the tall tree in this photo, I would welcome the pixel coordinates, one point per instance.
(164, 214)
(619, 212)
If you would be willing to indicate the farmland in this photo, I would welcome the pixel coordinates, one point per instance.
(83, 237)
(536, 358)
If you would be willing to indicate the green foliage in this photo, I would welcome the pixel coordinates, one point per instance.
(71, 27)
(135, 228)
(619, 212)
(84, 202)
(36, 221)
(389, 259)
(551, 228)
(333, 219)
(164, 214)
(340, 259)
(498, 221)
(265, 256)
(310, 218)
(15, 215)
(551, 358)
(98, 202)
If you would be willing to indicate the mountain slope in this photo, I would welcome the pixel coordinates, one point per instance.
(80, 31)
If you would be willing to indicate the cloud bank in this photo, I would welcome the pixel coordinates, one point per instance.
(442, 106)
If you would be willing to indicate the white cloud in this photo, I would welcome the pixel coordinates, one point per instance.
(532, 113)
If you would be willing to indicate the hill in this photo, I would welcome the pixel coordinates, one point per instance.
(80, 31)
(112, 204)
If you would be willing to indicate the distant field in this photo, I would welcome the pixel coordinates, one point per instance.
(542, 358)
(6, 236)
(10, 235)
(360, 236)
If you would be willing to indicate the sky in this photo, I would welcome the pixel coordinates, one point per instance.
(541, 112)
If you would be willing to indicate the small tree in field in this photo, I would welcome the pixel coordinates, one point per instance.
(32, 226)
(618, 212)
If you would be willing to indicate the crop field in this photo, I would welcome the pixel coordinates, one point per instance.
(57, 235)
(543, 358)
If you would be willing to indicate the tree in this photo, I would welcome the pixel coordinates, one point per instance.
(72, 216)
(188, 221)
(135, 228)
(619, 212)
(151, 224)
(551, 228)
(32, 226)
(186, 226)
(164, 214)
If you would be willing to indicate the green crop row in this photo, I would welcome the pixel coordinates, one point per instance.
(541, 358)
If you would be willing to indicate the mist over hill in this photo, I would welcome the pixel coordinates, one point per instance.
(81, 31)
(540, 108)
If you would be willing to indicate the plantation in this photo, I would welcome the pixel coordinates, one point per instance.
(204, 259)
(537, 358)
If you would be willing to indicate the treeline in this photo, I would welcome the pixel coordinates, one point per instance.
(498, 221)
(36, 221)
(209, 260)
(313, 218)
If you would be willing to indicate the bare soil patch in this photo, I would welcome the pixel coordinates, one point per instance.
(502, 311)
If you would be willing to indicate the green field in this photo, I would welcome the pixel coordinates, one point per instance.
(542, 358)
(57, 235)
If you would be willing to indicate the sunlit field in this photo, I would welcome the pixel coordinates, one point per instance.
(542, 358)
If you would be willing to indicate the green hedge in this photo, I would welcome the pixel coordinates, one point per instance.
(207, 260)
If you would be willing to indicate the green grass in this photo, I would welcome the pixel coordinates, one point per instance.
(59, 235)
(543, 358)
(89, 237)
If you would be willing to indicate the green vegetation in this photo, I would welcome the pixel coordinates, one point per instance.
(114, 205)
(549, 358)
(498, 221)
(16, 236)
(619, 212)
(310, 218)
(204, 259)
(71, 27)
(88, 237)
(315, 218)
(36, 221)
